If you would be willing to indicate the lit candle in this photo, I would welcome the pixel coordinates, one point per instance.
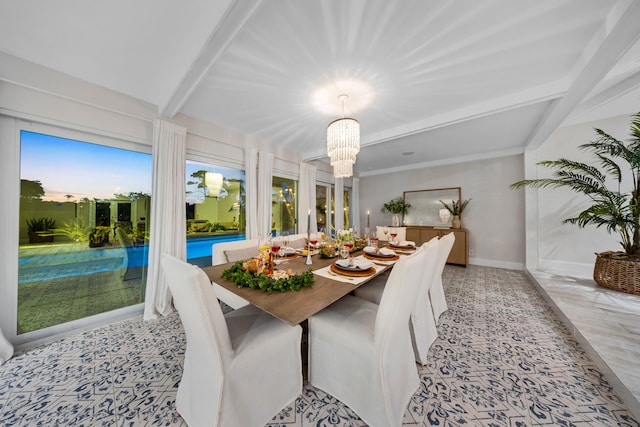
(367, 219)
(309, 219)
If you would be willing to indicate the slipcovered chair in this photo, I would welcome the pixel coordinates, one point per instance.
(240, 369)
(361, 352)
(224, 252)
(422, 322)
(436, 294)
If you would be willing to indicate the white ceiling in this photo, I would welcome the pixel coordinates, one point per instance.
(440, 79)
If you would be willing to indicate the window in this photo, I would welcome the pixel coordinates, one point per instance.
(83, 229)
(345, 205)
(324, 220)
(284, 205)
(215, 208)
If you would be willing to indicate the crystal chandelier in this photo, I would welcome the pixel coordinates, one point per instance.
(343, 143)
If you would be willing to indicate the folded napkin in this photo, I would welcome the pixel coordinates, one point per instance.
(361, 263)
(407, 243)
(383, 251)
(287, 251)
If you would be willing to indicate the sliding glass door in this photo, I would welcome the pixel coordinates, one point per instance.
(84, 211)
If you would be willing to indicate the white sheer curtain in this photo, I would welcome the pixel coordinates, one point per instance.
(355, 204)
(265, 175)
(338, 216)
(6, 349)
(168, 216)
(307, 198)
(251, 192)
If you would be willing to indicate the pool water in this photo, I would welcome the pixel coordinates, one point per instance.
(68, 264)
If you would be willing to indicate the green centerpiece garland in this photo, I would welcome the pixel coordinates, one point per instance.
(245, 279)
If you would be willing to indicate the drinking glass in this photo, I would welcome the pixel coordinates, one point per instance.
(275, 247)
(285, 242)
(313, 241)
(393, 236)
(386, 233)
(344, 251)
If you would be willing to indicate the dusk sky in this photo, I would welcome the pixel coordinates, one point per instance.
(65, 166)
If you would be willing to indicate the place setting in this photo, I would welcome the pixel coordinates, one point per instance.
(380, 255)
(348, 268)
(402, 247)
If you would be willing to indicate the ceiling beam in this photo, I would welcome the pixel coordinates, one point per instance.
(237, 15)
(512, 101)
(618, 33)
(614, 91)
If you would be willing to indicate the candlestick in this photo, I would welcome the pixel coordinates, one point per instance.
(309, 220)
(308, 248)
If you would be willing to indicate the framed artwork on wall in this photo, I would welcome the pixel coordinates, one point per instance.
(425, 206)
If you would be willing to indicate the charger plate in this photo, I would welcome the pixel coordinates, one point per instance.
(404, 248)
(360, 273)
(381, 258)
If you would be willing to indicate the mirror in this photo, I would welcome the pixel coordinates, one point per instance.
(425, 206)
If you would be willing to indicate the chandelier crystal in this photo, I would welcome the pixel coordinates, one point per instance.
(343, 144)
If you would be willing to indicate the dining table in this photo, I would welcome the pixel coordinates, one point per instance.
(294, 307)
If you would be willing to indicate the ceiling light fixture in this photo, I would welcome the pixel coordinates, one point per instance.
(343, 143)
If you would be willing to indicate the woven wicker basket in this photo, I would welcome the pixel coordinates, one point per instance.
(618, 274)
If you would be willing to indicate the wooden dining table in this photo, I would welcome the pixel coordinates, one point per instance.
(294, 307)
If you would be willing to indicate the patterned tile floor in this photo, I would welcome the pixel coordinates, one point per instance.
(503, 358)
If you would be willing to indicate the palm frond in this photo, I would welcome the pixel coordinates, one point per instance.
(618, 212)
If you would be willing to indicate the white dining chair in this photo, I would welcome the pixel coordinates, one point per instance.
(224, 252)
(361, 353)
(240, 369)
(436, 292)
(422, 322)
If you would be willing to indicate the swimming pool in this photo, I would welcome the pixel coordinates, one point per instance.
(69, 261)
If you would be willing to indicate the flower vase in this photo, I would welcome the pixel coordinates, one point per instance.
(395, 220)
(455, 222)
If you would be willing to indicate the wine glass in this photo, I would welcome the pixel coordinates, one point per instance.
(313, 241)
(374, 241)
(348, 244)
(386, 234)
(284, 236)
(394, 233)
(344, 251)
(275, 247)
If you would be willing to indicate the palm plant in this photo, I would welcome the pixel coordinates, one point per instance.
(456, 207)
(619, 212)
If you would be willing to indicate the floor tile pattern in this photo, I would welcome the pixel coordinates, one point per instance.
(502, 359)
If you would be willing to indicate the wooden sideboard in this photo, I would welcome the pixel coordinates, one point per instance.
(460, 251)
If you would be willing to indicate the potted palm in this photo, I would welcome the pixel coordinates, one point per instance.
(98, 236)
(456, 207)
(38, 230)
(396, 207)
(618, 211)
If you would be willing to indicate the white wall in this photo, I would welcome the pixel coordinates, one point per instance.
(566, 248)
(494, 218)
